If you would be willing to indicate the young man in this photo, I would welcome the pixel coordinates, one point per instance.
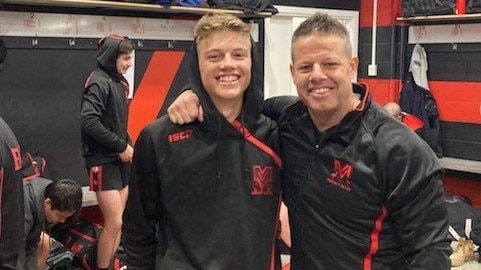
(47, 203)
(106, 143)
(363, 191)
(206, 195)
(11, 199)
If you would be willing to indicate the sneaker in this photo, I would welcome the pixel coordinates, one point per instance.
(463, 252)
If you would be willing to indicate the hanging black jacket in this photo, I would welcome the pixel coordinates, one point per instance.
(11, 199)
(420, 102)
(205, 196)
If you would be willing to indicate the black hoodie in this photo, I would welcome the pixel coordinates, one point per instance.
(205, 194)
(104, 109)
(11, 199)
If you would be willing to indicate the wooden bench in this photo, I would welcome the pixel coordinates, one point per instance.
(462, 165)
(88, 197)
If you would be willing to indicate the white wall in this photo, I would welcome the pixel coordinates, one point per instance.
(278, 33)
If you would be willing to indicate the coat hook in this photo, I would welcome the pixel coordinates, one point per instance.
(35, 41)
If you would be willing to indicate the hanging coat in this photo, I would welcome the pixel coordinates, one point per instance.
(416, 99)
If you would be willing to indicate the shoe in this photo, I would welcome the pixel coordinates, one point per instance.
(463, 252)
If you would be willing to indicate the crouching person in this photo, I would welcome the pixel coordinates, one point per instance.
(47, 203)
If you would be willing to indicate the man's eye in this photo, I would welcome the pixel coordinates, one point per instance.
(304, 68)
(213, 56)
(331, 65)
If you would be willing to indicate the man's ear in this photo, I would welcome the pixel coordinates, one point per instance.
(47, 202)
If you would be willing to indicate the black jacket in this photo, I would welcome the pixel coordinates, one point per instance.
(206, 195)
(365, 194)
(420, 102)
(104, 109)
(11, 199)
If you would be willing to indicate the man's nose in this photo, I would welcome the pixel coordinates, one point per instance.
(228, 62)
(317, 72)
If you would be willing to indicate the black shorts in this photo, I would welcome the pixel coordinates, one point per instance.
(109, 176)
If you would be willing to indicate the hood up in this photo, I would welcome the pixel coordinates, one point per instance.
(108, 48)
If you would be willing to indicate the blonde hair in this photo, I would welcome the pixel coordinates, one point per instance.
(213, 22)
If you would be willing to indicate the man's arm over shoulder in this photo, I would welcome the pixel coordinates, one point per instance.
(275, 106)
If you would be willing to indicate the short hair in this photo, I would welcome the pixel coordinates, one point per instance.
(322, 24)
(65, 195)
(126, 46)
(213, 22)
(393, 109)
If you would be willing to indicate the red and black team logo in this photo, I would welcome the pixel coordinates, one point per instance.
(96, 177)
(262, 180)
(341, 175)
(17, 158)
(181, 135)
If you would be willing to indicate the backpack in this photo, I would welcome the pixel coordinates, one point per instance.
(60, 258)
(34, 166)
(81, 240)
(428, 7)
(247, 6)
(464, 219)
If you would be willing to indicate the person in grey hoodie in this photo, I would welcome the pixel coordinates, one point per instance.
(47, 203)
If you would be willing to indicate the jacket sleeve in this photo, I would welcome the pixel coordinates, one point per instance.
(274, 107)
(11, 215)
(416, 201)
(141, 214)
(94, 104)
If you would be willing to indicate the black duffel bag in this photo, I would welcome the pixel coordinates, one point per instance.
(473, 6)
(247, 6)
(428, 7)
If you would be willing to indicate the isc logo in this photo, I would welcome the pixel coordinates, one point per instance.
(175, 137)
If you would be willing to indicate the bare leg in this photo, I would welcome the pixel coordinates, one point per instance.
(112, 204)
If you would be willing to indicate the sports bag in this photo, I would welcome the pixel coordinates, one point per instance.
(473, 6)
(463, 218)
(247, 6)
(428, 7)
(60, 258)
(34, 166)
(81, 240)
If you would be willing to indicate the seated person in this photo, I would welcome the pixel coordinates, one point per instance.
(408, 119)
(47, 203)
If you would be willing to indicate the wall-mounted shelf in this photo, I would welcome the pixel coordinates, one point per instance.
(98, 7)
(441, 19)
